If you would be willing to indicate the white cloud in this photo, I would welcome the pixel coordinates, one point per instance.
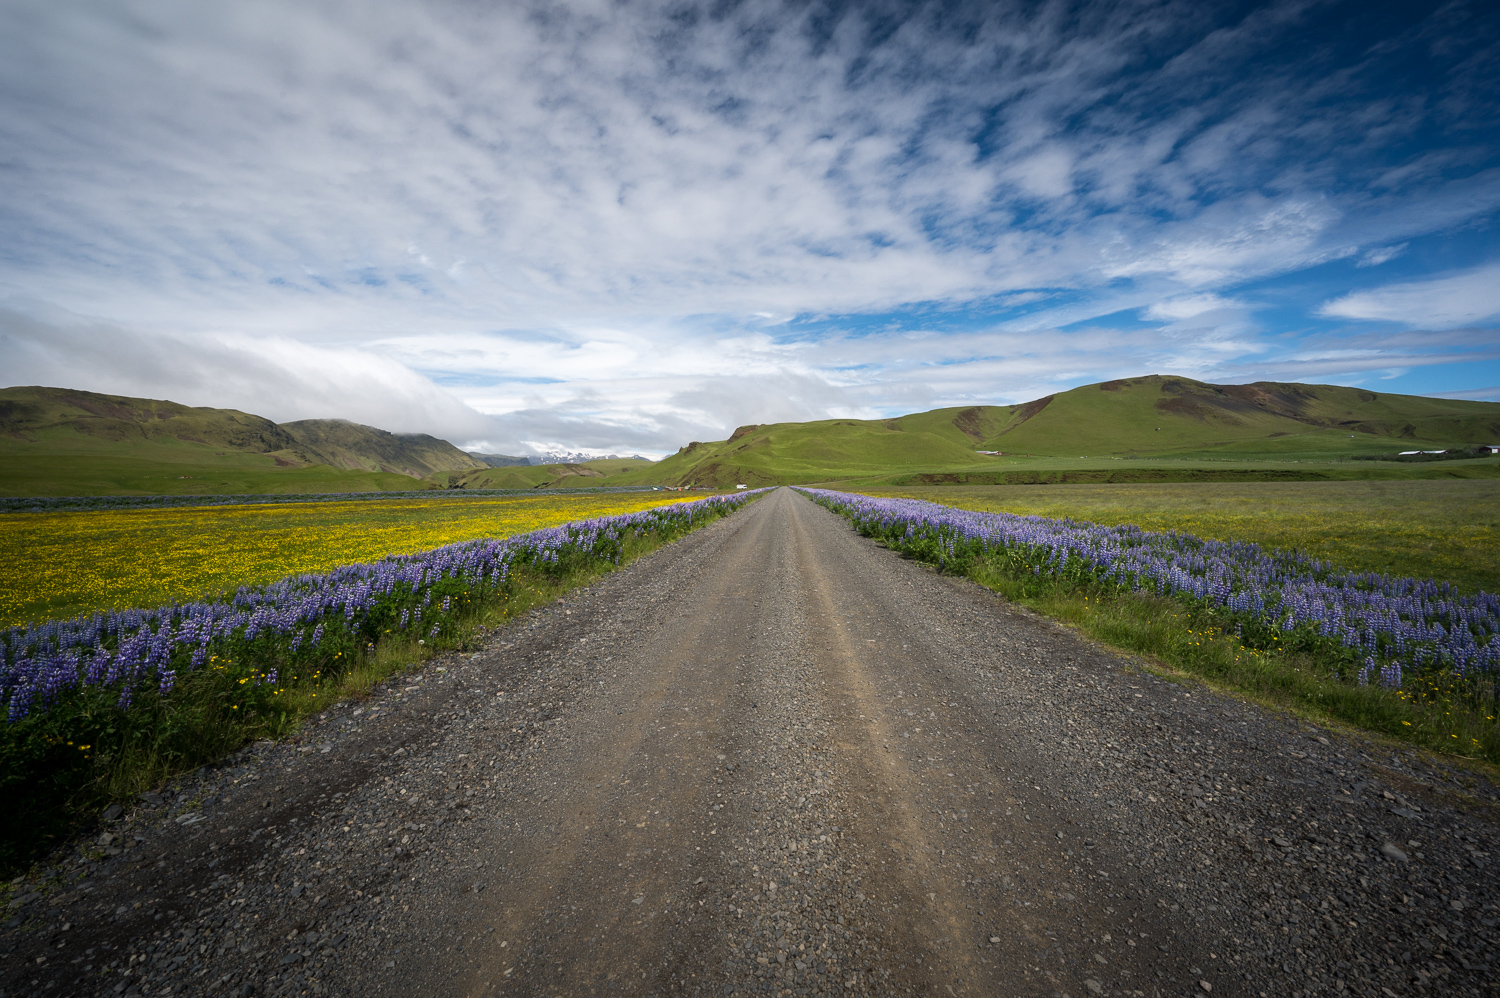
(597, 225)
(1190, 306)
(1444, 303)
(1381, 254)
(1490, 394)
(275, 377)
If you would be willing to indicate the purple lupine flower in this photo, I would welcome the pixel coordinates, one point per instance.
(1399, 623)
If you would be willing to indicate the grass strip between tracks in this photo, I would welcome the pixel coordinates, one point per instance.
(1439, 711)
(61, 764)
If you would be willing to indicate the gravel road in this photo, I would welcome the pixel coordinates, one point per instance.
(776, 758)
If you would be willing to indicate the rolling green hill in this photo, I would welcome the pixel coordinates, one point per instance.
(56, 441)
(533, 476)
(1150, 429)
(342, 444)
(587, 474)
(1159, 415)
(59, 442)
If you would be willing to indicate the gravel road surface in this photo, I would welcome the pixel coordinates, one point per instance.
(775, 758)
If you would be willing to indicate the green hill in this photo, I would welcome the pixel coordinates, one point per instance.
(523, 476)
(1151, 428)
(586, 474)
(499, 460)
(342, 444)
(57, 441)
(1160, 416)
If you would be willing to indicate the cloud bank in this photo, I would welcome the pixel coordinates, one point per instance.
(620, 226)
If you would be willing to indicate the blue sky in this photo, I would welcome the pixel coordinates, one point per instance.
(620, 226)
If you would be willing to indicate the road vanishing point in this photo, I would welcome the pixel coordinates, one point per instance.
(776, 758)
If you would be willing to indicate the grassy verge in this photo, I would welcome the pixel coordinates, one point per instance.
(61, 765)
(1435, 712)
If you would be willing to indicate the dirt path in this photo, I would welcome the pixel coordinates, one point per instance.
(778, 759)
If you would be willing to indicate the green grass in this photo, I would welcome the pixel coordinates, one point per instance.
(1167, 417)
(804, 452)
(94, 475)
(1443, 529)
(1105, 470)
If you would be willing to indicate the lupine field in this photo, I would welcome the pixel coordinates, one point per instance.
(301, 624)
(111, 682)
(1367, 628)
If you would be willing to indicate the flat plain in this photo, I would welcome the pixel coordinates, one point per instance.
(1446, 529)
(65, 564)
(776, 758)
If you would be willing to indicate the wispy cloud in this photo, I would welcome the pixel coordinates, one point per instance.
(282, 379)
(1457, 300)
(590, 222)
(1490, 394)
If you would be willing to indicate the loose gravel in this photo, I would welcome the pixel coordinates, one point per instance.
(775, 758)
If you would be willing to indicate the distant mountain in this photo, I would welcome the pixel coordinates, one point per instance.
(1148, 417)
(58, 422)
(499, 460)
(551, 457)
(342, 444)
(579, 457)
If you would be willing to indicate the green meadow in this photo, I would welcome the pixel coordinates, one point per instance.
(92, 475)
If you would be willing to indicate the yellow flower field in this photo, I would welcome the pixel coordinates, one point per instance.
(60, 565)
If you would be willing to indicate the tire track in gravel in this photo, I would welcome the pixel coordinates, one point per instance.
(883, 777)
